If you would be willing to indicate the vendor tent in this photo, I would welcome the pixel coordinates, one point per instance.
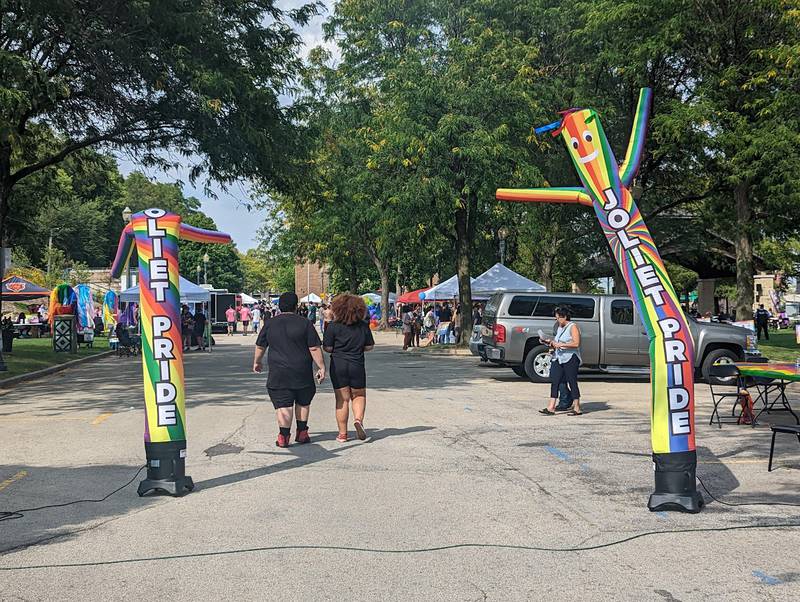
(411, 296)
(247, 299)
(444, 290)
(311, 298)
(16, 288)
(376, 297)
(190, 293)
(499, 278)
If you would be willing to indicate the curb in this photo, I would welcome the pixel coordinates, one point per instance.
(426, 351)
(9, 382)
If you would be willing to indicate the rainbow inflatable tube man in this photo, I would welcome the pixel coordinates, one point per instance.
(155, 234)
(606, 189)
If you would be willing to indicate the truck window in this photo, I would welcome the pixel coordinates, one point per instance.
(579, 307)
(522, 305)
(622, 311)
(493, 304)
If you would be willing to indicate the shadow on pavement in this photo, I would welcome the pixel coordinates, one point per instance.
(47, 485)
(305, 455)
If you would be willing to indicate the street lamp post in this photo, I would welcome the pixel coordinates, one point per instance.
(206, 259)
(198, 273)
(502, 234)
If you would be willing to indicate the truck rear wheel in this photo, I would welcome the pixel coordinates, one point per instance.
(722, 356)
(537, 364)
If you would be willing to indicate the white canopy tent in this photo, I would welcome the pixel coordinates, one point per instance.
(190, 293)
(311, 298)
(444, 290)
(499, 278)
(376, 297)
(247, 299)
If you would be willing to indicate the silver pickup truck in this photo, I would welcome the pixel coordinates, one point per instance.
(613, 338)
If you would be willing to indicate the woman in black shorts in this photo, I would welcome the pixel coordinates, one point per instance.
(346, 339)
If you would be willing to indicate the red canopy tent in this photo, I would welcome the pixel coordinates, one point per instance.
(411, 297)
(16, 288)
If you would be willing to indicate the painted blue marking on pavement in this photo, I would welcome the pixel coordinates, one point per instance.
(662, 514)
(467, 409)
(558, 453)
(766, 579)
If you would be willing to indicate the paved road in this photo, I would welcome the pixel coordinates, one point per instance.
(457, 454)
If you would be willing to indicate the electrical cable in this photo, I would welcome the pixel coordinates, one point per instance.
(719, 501)
(456, 546)
(14, 514)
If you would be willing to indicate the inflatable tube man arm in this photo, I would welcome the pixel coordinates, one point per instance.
(186, 232)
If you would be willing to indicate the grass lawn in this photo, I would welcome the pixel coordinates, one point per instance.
(781, 346)
(30, 355)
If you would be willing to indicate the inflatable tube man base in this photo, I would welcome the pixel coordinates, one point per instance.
(675, 483)
(166, 469)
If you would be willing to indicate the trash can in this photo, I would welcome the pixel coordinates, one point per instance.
(8, 340)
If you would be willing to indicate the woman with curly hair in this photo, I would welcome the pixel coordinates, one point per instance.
(346, 339)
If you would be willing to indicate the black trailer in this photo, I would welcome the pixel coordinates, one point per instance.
(220, 302)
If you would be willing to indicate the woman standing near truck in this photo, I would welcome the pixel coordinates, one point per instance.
(566, 360)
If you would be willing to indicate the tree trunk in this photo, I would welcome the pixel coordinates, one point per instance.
(5, 194)
(743, 242)
(397, 279)
(547, 273)
(463, 241)
(352, 276)
(383, 273)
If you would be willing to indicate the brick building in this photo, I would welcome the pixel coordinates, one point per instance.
(311, 278)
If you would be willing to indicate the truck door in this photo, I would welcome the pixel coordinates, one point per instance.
(622, 335)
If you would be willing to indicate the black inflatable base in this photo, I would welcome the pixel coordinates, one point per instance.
(166, 469)
(676, 486)
(176, 488)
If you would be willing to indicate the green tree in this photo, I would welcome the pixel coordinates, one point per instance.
(200, 77)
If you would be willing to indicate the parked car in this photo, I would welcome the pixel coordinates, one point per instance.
(613, 338)
(476, 342)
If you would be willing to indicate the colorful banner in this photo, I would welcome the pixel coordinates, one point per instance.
(110, 310)
(606, 189)
(85, 307)
(155, 234)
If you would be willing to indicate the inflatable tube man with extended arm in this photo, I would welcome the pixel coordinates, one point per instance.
(606, 190)
(155, 234)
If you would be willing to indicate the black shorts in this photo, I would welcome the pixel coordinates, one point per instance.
(345, 373)
(286, 398)
(231, 324)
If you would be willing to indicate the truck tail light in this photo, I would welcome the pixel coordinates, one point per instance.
(499, 333)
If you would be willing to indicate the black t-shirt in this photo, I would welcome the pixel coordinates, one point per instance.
(445, 315)
(288, 338)
(348, 341)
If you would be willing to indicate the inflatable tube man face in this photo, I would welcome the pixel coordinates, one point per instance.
(155, 235)
(605, 189)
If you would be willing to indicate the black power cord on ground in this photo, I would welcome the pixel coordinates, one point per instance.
(719, 501)
(14, 514)
(20, 513)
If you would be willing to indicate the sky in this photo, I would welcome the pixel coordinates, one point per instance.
(229, 210)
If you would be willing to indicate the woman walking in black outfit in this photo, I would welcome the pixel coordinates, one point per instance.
(346, 339)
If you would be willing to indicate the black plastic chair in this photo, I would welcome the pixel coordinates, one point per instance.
(780, 428)
(723, 392)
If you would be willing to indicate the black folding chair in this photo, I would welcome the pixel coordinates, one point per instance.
(721, 392)
(781, 428)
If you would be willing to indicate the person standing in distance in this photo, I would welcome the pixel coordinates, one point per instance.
(346, 339)
(293, 345)
(256, 319)
(245, 315)
(762, 321)
(230, 316)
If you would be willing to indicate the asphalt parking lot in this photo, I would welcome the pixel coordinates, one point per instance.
(462, 492)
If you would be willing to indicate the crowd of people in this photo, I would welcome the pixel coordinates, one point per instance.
(434, 322)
